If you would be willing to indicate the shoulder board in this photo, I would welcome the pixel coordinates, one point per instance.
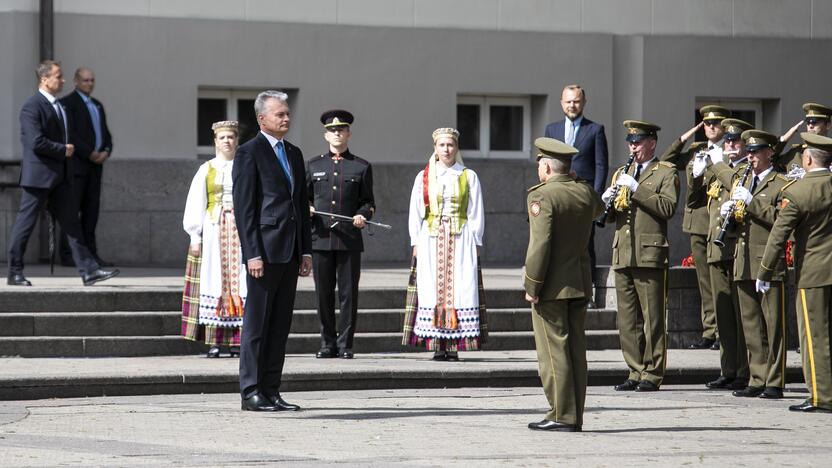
(790, 182)
(783, 177)
(697, 144)
(797, 145)
(534, 187)
(666, 164)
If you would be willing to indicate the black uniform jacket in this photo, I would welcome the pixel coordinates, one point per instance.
(343, 186)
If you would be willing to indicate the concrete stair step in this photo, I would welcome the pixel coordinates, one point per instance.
(167, 299)
(299, 343)
(150, 323)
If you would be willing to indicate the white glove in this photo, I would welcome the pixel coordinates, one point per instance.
(607, 195)
(741, 193)
(699, 165)
(762, 286)
(625, 180)
(725, 208)
(715, 154)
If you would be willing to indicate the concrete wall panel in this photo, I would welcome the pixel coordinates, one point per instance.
(617, 16)
(768, 18)
(456, 14)
(540, 15)
(821, 19)
(694, 17)
(398, 13)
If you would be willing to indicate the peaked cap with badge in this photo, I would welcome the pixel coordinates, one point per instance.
(638, 130)
(734, 128)
(756, 139)
(817, 111)
(337, 118)
(714, 112)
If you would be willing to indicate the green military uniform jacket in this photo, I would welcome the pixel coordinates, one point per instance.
(720, 178)
(640, 238)
(790, 160)
(561, 212)
(695, 219)
(804, 209)
(753, 232)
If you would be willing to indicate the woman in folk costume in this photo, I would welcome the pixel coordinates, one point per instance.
(445, 311)
(215, 286)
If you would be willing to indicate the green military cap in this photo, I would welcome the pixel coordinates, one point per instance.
(552, 148)
(734, 128)
(817, 141)
(817, 111)
(756, 139)
(638, 130)
(713, 112)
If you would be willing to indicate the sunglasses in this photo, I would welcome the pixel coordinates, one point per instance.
(712, 123)
(815, 121)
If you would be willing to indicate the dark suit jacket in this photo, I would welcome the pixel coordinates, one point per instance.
(82, 132)
(44, 162)
(592, 161)
(272, 220)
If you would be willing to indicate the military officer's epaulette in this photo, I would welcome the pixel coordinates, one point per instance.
(798, 145)
(781, 176)
(667, 164)
(534, 187)
(698, 144)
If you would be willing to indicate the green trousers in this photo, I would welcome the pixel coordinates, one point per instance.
(764, 327)
(733, 356)
(699, 249)
(642, 321)
(814, 311)
(560, 341)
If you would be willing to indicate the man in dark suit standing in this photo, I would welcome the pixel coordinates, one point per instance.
(93, 145)
(45, 177)
(592, 161)
(271, 207)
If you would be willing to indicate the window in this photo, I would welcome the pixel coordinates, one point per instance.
(750, 110)
(226, 104)
(494, 126)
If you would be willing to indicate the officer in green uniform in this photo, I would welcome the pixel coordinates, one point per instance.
(817, 121)
(805, 212)
(644, 198)
(753, 209)
(707, 189)
(696, 218)
(558, 283)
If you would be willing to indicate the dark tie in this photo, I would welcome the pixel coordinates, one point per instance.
(58, 111)
(638, 172)
(754, 184)
(284, 163)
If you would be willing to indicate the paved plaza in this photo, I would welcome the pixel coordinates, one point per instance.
(679, 426)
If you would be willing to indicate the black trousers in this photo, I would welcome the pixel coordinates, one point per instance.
(61, 204)
(345, 266)
(266, 324)
(87, 191)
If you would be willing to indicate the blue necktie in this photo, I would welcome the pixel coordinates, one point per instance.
(284, 162)
(96, 122)
(570, 137)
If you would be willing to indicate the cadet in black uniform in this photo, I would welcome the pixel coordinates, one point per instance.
(339, 183)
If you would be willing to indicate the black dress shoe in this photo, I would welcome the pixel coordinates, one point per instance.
(772, 393)
(98, 276)
(234, 351)
(547, 425)
(346, 354)
(647, 386)
(452, 356)
(628, 386)
(808, 407)
(715, 346)
(214, 352)
(750, 392)
(440, 356)
(719, 384)
(257, 402)
(280, 404)
(326, 353)
(738, 384)
(17, 279)
(703, 343)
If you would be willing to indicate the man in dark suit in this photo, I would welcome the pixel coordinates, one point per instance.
(592, 161)
(45, 177)
(93, 145)
(271, 207)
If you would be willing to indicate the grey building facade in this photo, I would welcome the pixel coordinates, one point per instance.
(164, 68)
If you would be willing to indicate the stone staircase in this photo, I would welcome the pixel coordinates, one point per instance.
(101, 322)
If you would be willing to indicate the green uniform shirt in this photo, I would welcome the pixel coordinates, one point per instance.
(561, 212)
(640, 238)
(804, 210)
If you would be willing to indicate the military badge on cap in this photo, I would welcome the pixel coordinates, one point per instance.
(817, 111)
(713, 112)
(734, 128)
(756, 139)
(638, 130)
(337, 118)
